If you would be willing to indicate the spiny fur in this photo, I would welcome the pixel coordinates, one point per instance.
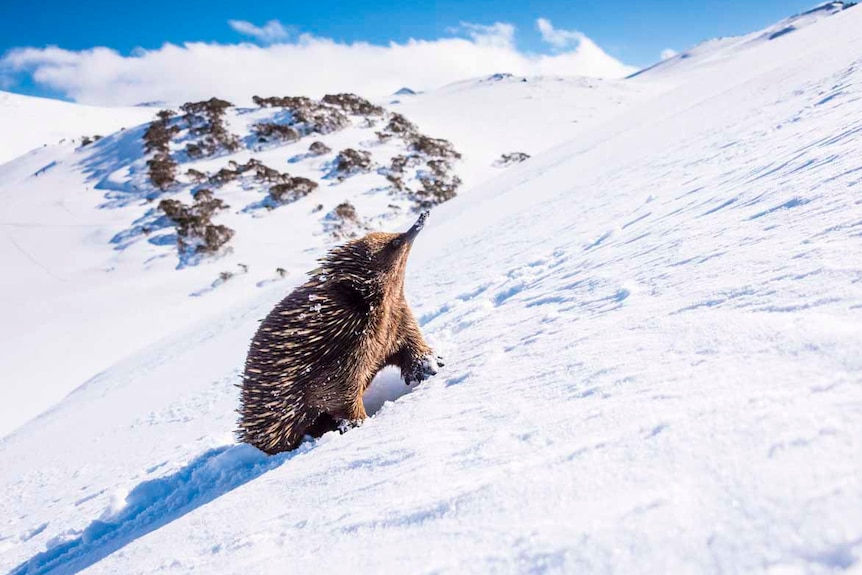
(320, 347)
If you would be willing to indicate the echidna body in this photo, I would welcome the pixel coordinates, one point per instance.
(318, 350)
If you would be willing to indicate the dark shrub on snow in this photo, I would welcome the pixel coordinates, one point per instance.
(439, 185)
(292, 189)
(434, 147)
(318, 148)
(350, 161)
(399, 126)
(511, 158)
(343, 222)
(266, 131)
(161, 167)
(206, 120)
(353, 104)
(196, 234)
(307, 115)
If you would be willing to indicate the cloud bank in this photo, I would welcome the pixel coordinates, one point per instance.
(307, 65)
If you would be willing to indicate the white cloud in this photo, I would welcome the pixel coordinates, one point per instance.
(668, 53)
(497, 34)
(556, 37)
(305, 65)
(271, 32)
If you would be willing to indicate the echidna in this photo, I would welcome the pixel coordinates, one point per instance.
(318, 350)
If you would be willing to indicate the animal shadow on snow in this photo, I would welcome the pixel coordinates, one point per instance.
(155, 503)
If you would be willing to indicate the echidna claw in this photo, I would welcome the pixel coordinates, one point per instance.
(346, 425)
(423, 368)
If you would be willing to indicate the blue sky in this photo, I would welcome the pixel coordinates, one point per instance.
(634, 32)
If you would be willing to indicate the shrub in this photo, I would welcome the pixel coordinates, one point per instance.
(292, 190)
(353, 104)
(194, 151)
(157, 140)
(196, 234)
(435, 191)
(396, 181)
(350, 161)
(196, 176)
(346, 211)
(400, 126)
(262, 173)
(307, 115)
(276, 102)
(197, 113)
(206, 119)
(251, 164)
(162, 171)
(395, 172)
(318, 148)
(215, 236)
(223, 176)
(279, 132)
(157, 137)
(165, 115)
(399, 163)
(439, 185)
(266, 174)
(343, 221)
(511, 158)
(434, 147)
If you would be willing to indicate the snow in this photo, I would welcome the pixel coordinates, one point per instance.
(34, 122)
(651, 329)
(718, 49)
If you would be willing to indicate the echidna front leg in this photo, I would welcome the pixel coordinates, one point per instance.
(346, 407)
(416, 359)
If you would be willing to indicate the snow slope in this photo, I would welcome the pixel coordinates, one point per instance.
(30, 122)
(652, 334)
(716, 50)
(118, 291)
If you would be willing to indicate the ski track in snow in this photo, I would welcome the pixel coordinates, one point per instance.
(652, 339)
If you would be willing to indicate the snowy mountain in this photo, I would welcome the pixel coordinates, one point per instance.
(101, 199)
(30, 122)
(652, 330)
(717, 49)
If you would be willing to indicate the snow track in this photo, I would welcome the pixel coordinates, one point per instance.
(153, 504)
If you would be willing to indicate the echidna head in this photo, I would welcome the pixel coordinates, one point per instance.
(389, 253)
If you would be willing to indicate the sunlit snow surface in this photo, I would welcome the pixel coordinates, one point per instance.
(652, 334)
(29, 123)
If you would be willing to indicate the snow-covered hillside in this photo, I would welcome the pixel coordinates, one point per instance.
(119, 289)
(30, 122)
(717, 50)
(652, 331)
